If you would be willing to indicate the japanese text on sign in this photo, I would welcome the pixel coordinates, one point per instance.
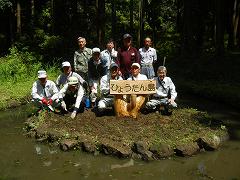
(132, 87)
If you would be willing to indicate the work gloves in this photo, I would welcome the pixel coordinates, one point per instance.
(46, 102)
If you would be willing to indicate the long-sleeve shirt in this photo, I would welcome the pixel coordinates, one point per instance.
(63, 79)
(105, 83)
(81, 59)
(148, 56)
(138, 77)
(79, 94)
(49, 91)
(125, 58)
(168, 87)
(96, 70)
(108, 57)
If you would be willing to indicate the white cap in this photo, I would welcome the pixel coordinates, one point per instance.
(42, 74)
(136, 64)
(66, 63)
(73, 80)
(96, 50)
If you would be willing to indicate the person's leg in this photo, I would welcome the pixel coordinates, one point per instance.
(152, 105)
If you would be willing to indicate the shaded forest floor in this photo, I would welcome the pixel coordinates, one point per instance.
(216, 78)
(152, 136)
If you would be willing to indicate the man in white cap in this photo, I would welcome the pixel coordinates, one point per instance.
(135, 73)
(45, 92)
(136, 101)
(72, 94)
(95, 73)
(67, 73)
(165, 95)
(107, 99)
(81, 58)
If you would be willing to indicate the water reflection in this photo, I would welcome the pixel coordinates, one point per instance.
(23, 158)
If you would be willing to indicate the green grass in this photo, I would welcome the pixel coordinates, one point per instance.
(18, 71)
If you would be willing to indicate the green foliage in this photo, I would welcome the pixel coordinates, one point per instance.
(5, 4)
(18, 65)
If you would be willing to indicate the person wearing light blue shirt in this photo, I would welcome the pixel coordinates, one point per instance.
(109, 55)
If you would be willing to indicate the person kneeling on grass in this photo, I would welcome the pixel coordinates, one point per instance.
(72, 94)
(107, 99)
(45, 93)
(166, 94)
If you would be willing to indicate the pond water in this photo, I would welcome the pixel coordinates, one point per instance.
(24, 158)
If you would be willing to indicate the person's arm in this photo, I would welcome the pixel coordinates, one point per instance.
(154, 55)
(138, 60)
(104, 88)
(172, 89)
(80, 94)
(56, 94)
(35, 94)
(80, 79)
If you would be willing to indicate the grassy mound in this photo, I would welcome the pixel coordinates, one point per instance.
(151, 136)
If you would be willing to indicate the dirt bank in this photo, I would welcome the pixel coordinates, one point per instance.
(152, 136)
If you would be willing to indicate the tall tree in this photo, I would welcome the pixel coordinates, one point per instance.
(100, 21)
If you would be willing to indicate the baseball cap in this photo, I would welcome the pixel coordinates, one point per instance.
(42, 74)
(96, 50)
(136, 64)
(113, 65)
(125, 36)
(66, 63)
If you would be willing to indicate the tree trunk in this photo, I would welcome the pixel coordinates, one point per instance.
(101, 22)
(131, 16)
(219, 27)
(18, 18)
(113, 19)
(235, 19)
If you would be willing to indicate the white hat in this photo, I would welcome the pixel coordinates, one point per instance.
(136, 64)
(96, 50)
(66, 63)
(42, 74)
(73, 80)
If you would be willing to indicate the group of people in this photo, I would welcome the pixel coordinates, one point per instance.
(93, 70)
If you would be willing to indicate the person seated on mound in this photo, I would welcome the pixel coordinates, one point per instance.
(136, 101)
(166, 94)
(72, 94)
(67, 73)
(45, 93)
(107, 99)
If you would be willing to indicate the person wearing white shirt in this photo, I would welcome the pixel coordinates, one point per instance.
(67, 73)
(72, 94)
(45, 92)
(108, 55)
(135, 73)
(148, 56)
(107, 99)
(166, 92)
(136, 101)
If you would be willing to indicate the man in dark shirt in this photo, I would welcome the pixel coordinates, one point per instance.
(126, 56)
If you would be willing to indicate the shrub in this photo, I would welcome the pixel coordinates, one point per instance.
(18, 65)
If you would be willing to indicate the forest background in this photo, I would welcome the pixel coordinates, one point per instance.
(200, 40)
